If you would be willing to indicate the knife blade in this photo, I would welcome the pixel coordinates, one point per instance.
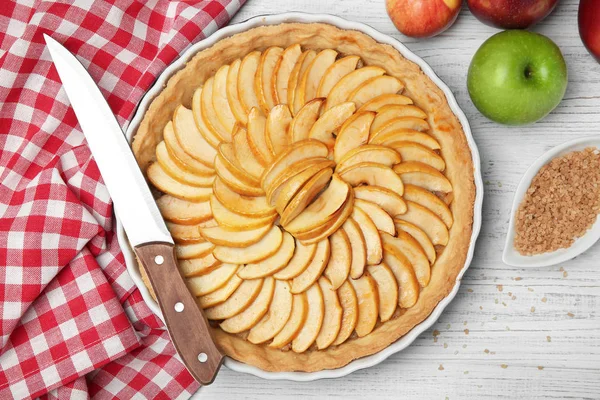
(139, 214)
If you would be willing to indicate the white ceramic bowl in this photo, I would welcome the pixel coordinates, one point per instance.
(407, 339)
(511, 256)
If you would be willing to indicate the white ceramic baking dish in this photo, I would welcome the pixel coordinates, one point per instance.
(407, 339)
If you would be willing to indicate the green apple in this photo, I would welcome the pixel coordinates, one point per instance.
(517, 77)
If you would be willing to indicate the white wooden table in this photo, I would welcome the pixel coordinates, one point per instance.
(510, 333)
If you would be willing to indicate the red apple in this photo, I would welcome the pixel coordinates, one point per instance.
(423, 18)
(589, 26)
(511, 14)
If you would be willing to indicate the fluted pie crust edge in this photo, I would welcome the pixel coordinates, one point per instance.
(445, 127)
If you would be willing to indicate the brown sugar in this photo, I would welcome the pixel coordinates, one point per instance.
(561, 204)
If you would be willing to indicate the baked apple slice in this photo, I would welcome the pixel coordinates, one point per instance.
(405, 276)
(369, 153)
(387, 289)
(254, 312)
(220, 100)
(410, 248)
(335, 72)
(233, 96)
(406, 135)
(222, 236)
(264, 80)
(391, 202)
(258, 251)
(244, 155)
(294, 323)
(420, 236)
(422, 175)
(375, 87)
(304, 120)
(303, 256)
(373, 174)
(353, 134)
(235, 221)
(309, 81)
(333, 315)
(245, 205)
(182, 211)
(379, 102)
(380, 218)
(411, 151)
(275, 319)
(342, 89)
(214, 280)
(430, 223)
(219, 296)
(358, 246)
(313, 271)
(431, 201)
(284, 68)
(330, 122)
(276, 129)
(314, 320)
(368, 306)
(243, 296)
(272, 264)
(245, 81)
(349, 302)
(338, 266)
(166, 184)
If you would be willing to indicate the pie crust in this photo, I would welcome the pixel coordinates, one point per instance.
(444, 126)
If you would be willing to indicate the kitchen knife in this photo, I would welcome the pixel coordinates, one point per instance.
(137, 210)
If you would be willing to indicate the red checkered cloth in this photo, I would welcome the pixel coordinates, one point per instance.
(72, 324)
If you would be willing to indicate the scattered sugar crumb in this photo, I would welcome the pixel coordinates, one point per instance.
(530, 289)
(504, 366)
(441, 368)
(540, 367)
(486, 351)
(499, 287)
(481, 307)
(571, 314)
(470, 290)
(544, 299)
(518, 278)
(532, 309)
(510, 293)
(514, 297)
(466, 331)
(565, 274)
(548, 339)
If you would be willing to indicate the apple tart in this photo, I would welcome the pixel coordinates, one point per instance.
(319, 189)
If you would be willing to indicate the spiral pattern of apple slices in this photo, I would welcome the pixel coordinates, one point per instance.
(307, 199)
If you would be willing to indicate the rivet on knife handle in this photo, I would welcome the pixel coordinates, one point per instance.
(187, 324)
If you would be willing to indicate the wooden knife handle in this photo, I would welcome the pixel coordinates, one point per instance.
(186, 322)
